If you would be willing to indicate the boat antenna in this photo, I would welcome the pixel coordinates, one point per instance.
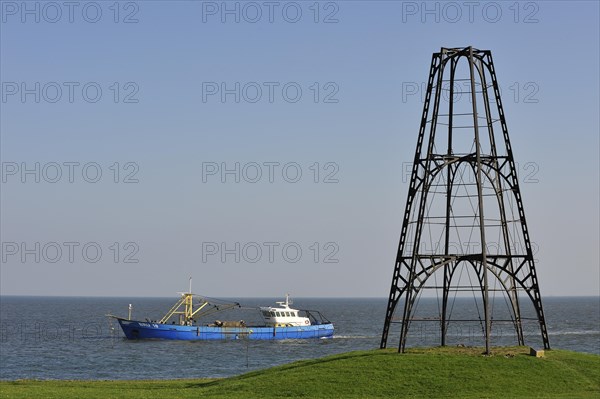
(190, 291)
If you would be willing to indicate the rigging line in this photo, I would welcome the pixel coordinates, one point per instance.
(493, 299)
(457, 127)
(459, 217)
(511, 229)
(475, 220)
(501, 239)
(461, 177)
(462, 226)
(416, 303)
(476, 196)
(461, 92)
(450, 211)
(452, 214)
(250, 308)
(456, 227)
(474, 298)
(435, 274)
(456, 292)
(460, 80)
(437, 294)
(457, 231)
(442, 233)
(428, 210)
(510, 309)
(215, 300)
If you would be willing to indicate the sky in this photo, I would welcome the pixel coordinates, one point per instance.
(263, 147)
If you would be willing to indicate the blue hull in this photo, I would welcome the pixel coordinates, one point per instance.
(144, 330)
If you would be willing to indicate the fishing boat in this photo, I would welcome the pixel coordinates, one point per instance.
(184, 322)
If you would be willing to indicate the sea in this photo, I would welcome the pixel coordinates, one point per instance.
(70, 338)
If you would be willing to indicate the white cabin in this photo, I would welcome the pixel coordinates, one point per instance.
(283, 315)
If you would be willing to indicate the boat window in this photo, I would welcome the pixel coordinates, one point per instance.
(278, 314)
(288, 314)
(266, 313)
(272, 314)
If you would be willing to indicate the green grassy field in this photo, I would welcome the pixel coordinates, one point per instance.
(420, 373)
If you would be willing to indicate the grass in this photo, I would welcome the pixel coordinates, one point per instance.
(420, 373)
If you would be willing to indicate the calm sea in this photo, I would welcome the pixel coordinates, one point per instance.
(70, 338)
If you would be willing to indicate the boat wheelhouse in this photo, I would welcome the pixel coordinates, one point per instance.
(284, 316)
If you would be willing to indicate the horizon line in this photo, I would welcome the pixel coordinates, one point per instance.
(227, 296)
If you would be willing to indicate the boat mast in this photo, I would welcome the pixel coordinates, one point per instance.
(189, 304)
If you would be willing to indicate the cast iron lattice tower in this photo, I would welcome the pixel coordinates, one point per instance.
(464, 189)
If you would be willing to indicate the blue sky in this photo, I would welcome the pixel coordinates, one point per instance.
(158, 124)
